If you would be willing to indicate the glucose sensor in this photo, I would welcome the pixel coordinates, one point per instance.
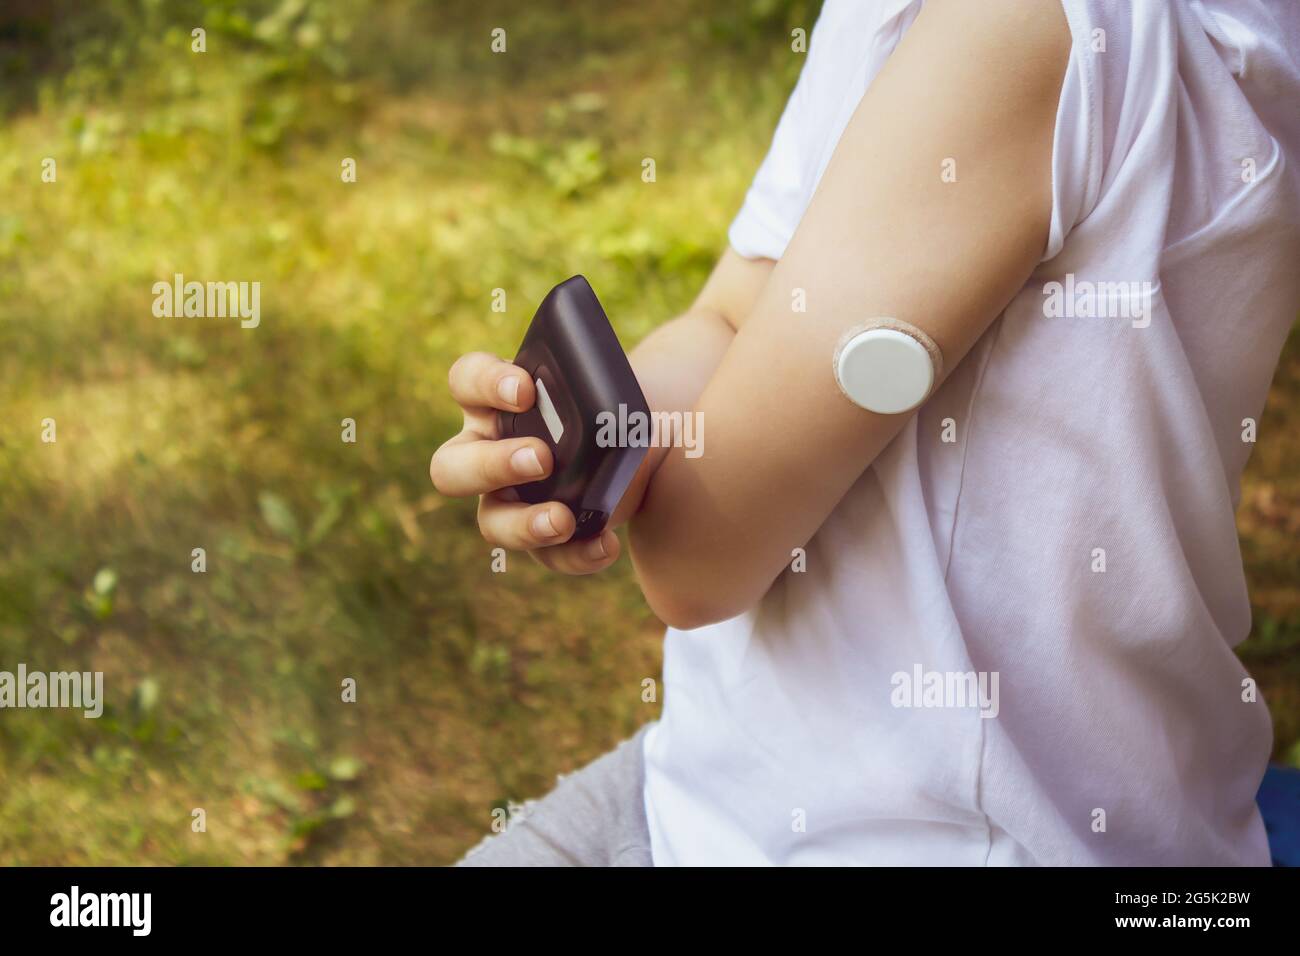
(887, 366)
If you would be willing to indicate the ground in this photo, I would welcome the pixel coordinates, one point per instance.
(475, 171)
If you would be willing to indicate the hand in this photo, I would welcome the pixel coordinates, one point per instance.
(478, 461)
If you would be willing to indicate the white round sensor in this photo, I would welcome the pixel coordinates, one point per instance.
(884, 370)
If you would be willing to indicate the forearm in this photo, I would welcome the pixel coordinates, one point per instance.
(673, 365)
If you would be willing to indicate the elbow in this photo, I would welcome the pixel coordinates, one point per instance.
(686, 597)
(688, 612)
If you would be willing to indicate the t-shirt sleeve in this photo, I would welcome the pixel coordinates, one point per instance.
(848, 45)
(1118, 74)
(778, 195)
(1076, 144)
(1118, 109)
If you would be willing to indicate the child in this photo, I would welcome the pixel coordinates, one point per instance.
(997, 629)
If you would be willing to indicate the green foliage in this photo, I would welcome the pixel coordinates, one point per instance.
(327, 560)
(568, 168)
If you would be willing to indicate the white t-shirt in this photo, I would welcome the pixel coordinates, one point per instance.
(1068, 533)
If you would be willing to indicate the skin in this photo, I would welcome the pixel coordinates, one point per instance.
(884, 235)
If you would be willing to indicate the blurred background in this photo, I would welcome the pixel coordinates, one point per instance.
(328, 560)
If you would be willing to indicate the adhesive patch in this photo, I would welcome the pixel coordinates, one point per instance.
(887, 366)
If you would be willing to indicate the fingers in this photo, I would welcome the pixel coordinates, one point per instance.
(544, 531)
(523, 527)
(480, 380)
(475, 463)
(581, 557)
(468, 466)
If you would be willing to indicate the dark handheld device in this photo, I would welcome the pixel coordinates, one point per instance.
(586, 395)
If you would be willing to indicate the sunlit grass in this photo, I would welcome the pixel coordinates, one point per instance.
(327, 560)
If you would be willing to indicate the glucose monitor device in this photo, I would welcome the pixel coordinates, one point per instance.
(583, 380)
(887, 366)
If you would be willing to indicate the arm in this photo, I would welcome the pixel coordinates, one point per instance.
(883, 236)
(673, 365)
(675, 361)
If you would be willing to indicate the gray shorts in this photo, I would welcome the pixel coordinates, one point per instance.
(594, 817)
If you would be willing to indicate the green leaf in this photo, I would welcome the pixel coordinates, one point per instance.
(147, 693)
(345, 768)
(310, 780)
(305, 826)
(105, 582)
(325, 521)
(278, 515)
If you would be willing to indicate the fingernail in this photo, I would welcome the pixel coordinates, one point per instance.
(526, 463)
(596, 550)
(508, 389)
(542, 525)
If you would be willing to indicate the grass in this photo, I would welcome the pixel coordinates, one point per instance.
(327, 560)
